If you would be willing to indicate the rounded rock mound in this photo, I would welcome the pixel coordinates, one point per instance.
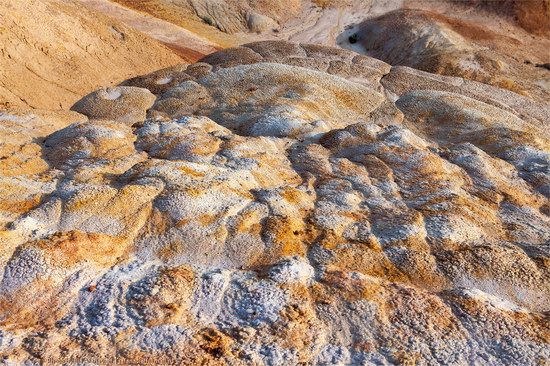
(298, 101)
(124, 104)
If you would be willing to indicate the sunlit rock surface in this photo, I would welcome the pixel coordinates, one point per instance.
(281, 204)
(501, 43)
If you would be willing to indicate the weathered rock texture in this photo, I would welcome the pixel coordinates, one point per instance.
(54, 51)
(229, 16)
(482, 47)
(283, 204)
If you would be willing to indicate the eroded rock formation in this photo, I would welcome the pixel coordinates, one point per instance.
(490, 49)
(229, 16)
(282, 204)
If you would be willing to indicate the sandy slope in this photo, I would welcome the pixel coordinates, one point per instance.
(52, 52)
(189, 45)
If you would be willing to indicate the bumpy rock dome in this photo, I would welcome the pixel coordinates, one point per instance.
(283, 204)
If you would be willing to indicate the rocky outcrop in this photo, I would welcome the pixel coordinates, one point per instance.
(123, 104)
(283, 204)
(52, 52)
(451, 44)
(229, 16)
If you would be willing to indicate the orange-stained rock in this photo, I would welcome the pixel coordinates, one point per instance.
(268, 213)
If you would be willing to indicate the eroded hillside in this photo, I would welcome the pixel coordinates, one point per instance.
(52, 52)
(501, 43)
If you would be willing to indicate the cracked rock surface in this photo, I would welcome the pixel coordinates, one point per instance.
(280, 204)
